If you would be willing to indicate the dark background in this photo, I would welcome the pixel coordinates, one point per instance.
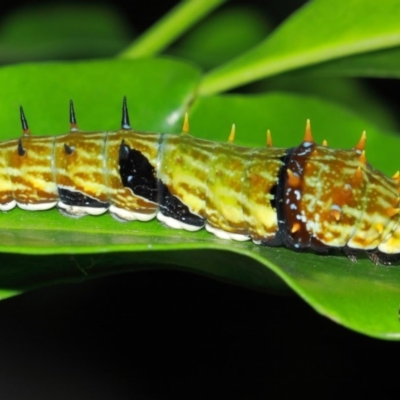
(141, 14)
(171, 335)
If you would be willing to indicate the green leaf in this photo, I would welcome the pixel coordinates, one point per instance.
(97, 88)
(41, 248)
(351, 93)
(224, 35)
(318, 32)
(170, 27)
(377, 64)
(43, 33)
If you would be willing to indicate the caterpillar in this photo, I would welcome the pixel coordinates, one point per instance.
(306, 197)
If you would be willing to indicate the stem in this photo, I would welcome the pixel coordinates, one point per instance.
(177, 21)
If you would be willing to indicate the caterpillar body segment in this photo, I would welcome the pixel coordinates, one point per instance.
(307, 197)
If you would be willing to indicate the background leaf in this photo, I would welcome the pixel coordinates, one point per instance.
(224, 35)
(170, 27)
(321, 33)
(44, 33)
(379, 64)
